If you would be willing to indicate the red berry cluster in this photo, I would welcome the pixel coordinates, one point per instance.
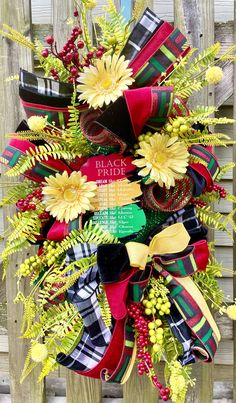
(29, 203)
(217, 188)
(198, 202)
(44, 216)
(70, 55)
(145, 365)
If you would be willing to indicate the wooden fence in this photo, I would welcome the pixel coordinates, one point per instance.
(204, 21)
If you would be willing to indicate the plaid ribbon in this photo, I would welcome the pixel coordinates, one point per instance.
(96, 337)
(42, 96)
(173, 199)
(194, 258)
(209, 168)
(44, 86)
(158, 55)
(17, 148)
(141, 33)
(181, 331)
(197, 317)
(84, 295)
(148, 106)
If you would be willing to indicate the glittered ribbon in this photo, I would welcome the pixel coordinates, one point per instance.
(157, 198)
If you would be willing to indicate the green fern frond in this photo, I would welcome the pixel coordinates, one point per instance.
(213, 219)
(185, 73)
(16, 246)
(214, 139)
(201, 112)
(224, 169)
(40, 153)
(28, 366)
(113, 25)
(89, 234)
(49, 365)
(210, 288)
(24, 225)
(230, 197)
(105, 308)
(82, 265)
(18, 191)
(185, 91)
(210, 197)
(16, 36)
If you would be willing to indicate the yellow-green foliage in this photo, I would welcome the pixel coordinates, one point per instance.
(114, 29)
(139, 7)
(15, 36)
(105, 307)
(61, 326)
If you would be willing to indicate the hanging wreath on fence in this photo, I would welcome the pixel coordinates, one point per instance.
(118, 183)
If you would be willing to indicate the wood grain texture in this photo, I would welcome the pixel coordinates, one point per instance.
(82, 389)
(42, 10)
(196, 19)
(78, 387)
(139, 388)
(12, 57)
(234, 190)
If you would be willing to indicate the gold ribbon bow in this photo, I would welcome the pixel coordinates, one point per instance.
(173, 239)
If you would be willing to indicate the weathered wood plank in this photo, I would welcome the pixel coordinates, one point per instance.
(138, 388)
(234, 247)
(12, 57)
(197, 26)
(42, 11)
(225, 255)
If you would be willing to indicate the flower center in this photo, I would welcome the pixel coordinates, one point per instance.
(106, 83)
(159, 159)
(70, 194)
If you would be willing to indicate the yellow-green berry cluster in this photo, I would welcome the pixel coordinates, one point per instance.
(155, 333)
(30, 265)
(142, 137)
(155, 303)
(177, 127)
(49, 252)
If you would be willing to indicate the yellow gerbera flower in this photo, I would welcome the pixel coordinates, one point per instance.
(105, 81)
(164, 158)
(68, 196)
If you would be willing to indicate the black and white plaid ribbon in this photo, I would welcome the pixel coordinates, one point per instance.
(141, 34)
(44, 86)
(181, 331)
(83, 294)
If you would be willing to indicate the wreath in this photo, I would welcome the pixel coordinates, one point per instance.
(117, 176)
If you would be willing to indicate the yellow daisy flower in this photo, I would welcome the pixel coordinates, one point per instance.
(68, 196)
(104, 82)
(164, 158)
